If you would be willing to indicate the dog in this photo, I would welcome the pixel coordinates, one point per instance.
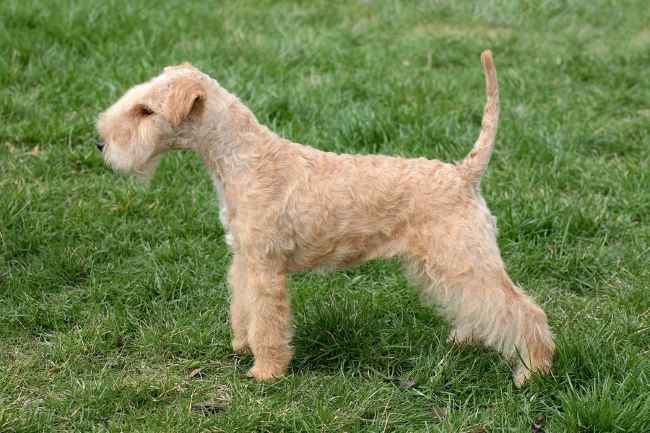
(287, 207)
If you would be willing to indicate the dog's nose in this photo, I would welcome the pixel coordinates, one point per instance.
(100, 145)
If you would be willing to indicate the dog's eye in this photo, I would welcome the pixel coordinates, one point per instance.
(143, 110)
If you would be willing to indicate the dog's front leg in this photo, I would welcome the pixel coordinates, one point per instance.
(240, 304)
(269, 331)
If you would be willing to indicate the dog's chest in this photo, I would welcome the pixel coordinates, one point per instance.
(223, 209)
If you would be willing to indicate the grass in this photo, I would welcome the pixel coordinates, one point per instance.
(111, 293)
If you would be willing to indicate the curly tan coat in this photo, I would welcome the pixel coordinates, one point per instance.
(288, 207)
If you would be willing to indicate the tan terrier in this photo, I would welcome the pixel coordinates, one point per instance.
(287, 207)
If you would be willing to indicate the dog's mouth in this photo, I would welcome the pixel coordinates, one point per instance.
(127, 165)
(113, 159)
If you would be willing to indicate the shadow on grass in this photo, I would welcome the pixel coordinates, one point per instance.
(347, 331)
(396, 339)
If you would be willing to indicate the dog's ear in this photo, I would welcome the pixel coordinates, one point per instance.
(186, 96)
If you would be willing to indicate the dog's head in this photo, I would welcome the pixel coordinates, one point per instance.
(152, 118)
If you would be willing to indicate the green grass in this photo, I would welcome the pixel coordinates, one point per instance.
(111, 293)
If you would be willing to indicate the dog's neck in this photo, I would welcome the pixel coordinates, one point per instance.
(233, 141)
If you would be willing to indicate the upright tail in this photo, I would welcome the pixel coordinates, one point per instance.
(475, 164)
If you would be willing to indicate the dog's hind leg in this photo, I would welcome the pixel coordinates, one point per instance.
(465, 276)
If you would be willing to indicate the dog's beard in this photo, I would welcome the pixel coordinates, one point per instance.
(145, 172)
(138, 163)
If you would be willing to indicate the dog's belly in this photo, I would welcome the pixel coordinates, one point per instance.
(330, 253)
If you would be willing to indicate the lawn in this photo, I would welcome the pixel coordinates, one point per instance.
(113, 303)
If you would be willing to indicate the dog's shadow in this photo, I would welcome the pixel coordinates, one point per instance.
(361, 331)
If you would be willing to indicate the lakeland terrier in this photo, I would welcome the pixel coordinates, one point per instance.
(287, 207)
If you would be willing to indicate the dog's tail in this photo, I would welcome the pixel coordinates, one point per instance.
(475, 164)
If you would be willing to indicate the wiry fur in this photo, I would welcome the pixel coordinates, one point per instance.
(288, 207)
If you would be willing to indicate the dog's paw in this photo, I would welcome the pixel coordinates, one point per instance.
(263, 373)
(520, 375)
(240, 347)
